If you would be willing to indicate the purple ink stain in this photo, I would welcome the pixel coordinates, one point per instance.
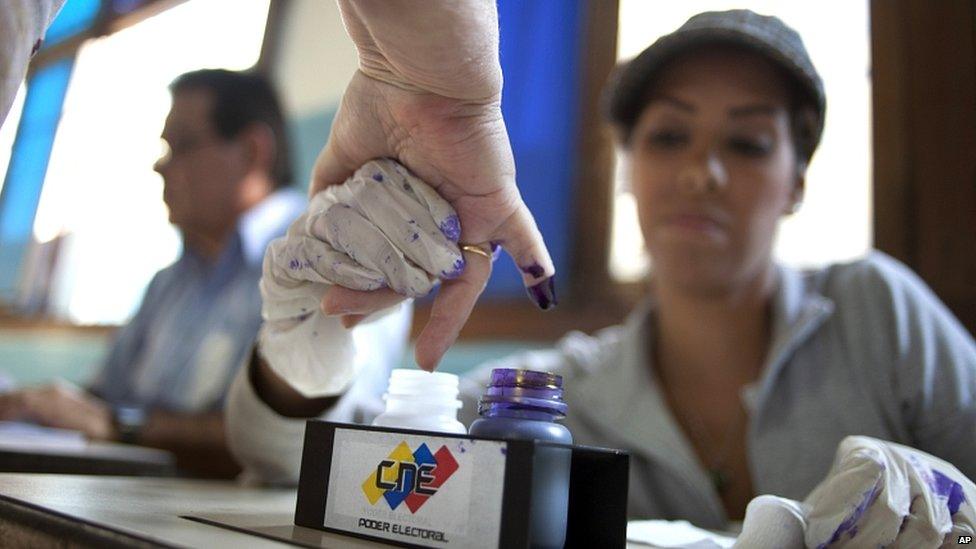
(451, 227)
(850, 522)
(414, 237)
(378, 177)
(456, 271)
(535, 270)
(544, 293)
(504, 451)
(949, 489)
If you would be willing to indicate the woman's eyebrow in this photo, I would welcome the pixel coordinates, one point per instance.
(753, 110)
(675, 102)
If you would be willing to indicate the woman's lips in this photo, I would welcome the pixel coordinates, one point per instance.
(700, 225)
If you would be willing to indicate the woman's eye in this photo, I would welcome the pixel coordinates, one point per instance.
(750, 146)
(667, 139)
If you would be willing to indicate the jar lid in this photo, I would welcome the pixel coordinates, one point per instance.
(514, 388)
(529, 379)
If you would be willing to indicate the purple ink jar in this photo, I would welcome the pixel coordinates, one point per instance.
(524, 405)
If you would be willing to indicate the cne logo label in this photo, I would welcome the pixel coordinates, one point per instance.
(409, 477)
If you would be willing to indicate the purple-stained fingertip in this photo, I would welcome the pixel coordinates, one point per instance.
(544, 293)
(534, 270)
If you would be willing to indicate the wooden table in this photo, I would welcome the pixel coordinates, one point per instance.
(39, 510)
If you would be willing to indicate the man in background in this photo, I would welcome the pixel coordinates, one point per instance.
(225, 169)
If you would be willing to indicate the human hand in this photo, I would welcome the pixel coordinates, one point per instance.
(60, 405)
(428, 93)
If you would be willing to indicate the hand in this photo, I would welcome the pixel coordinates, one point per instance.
(60, 405)
(432, 100)
(877, 494)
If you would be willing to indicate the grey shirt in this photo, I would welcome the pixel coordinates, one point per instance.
(862, 348)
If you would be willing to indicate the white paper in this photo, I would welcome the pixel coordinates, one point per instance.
(25, 437)
(463, 511)
(674, 534)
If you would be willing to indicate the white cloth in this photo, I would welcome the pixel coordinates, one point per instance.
(881, 493)
(382, 227)
(22, 24)
(877, 494)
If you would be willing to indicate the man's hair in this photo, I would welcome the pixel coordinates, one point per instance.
(239, 100)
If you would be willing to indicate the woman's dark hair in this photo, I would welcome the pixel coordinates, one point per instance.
(239, 100)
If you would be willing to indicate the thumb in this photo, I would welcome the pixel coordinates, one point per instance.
(522, 240)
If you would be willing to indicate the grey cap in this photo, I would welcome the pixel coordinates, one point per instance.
(764, 34)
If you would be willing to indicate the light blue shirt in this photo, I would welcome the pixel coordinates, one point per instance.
(197, 320)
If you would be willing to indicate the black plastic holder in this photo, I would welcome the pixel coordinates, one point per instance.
(423, 489)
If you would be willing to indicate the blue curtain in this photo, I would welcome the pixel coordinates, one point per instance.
(75, 17)
(28, 164)
(540, 53)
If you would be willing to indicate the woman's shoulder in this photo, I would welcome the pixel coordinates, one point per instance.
(879, 292)
(876, 281)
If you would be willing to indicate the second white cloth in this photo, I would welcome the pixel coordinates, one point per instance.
(877, 494)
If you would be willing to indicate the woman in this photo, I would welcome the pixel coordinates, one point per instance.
(739, 376)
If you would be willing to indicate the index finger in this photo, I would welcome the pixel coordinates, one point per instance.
(451, 310)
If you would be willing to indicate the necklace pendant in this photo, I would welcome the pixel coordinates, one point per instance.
(720, 479)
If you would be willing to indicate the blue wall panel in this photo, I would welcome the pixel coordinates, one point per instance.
(540, 51)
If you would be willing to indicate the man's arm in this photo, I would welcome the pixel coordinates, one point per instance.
(281, 397)
(197, 440)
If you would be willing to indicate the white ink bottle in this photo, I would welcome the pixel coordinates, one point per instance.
(426, 401)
